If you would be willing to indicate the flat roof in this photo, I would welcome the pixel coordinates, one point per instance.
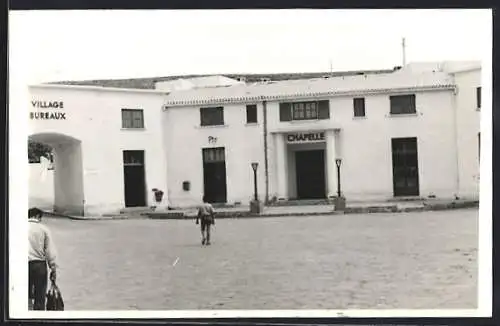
(149, 82)
(401, 81)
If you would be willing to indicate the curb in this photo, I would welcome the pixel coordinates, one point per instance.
(247, 214)
(244, 214)
(100, 218)
(353, 210)
(85, 218)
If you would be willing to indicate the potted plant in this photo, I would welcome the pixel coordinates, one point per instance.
(158, 196)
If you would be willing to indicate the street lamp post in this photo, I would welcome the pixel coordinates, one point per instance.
(340, 200)
(255, 165)
(338, 162)
(255, 204)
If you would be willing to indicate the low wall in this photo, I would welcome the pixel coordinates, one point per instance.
(41, 185)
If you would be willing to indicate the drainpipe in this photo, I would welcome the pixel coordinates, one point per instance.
(165, 138)
(455, 135)
(266, 159)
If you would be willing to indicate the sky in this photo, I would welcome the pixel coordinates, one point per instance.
(73, 45)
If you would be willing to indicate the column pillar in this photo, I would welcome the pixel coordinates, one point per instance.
(331, 154)
(281, 166)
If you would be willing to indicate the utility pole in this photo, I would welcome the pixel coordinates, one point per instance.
(404, 51)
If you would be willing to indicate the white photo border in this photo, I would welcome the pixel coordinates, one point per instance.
(18, 203)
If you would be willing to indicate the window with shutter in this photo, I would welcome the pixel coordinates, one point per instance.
(132, 119)
(359, 107)
(403, 104)
(305, 110)
(252, 113)
(212, 116)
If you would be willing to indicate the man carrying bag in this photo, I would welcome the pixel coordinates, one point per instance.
(41, 253)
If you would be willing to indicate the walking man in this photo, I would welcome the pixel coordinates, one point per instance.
(41, 253)
(206, 214)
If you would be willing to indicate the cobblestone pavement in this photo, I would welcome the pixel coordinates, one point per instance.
(402, 261)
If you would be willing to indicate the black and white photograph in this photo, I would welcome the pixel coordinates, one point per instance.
(250, 163)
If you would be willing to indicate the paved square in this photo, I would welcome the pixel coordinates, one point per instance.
(402, 261)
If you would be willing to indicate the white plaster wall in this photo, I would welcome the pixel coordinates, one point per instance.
(468, 127)
(94, 118)
(41, 185)
(185, 139)
(365, 144)
(68, 179)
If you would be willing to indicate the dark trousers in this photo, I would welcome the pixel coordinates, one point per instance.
(37, 286)
(205, 229)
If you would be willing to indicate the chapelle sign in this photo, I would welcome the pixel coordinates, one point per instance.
(306, 137)
(47, 115)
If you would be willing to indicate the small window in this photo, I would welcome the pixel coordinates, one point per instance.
(478, 97)
(252, 113)
(359, 107)
(132, 119)
(212, 116)
(403, 104)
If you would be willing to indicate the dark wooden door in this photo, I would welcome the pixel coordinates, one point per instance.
(134, 178)
(214, 175)
(405, 167)
(310, 170)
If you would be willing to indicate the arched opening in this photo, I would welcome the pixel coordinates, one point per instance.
(66, 156)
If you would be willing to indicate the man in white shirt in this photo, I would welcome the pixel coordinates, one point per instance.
(41, 253)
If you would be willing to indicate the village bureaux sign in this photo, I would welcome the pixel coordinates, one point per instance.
(47, 110)
(306, 137)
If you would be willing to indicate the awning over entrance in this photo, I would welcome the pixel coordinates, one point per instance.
(305, 128)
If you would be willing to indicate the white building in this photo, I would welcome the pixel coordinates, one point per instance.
(410, 132)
